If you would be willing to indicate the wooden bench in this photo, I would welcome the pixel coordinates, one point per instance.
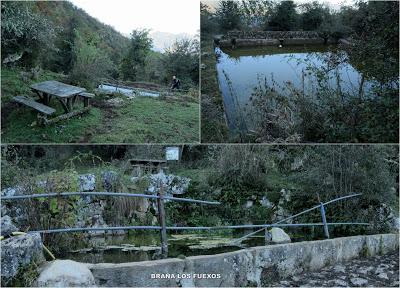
(86, 96)
(43, 109)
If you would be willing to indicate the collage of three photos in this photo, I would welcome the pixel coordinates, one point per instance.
(214, 143)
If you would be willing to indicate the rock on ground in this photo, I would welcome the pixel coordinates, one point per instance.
(90, 214)
(172, 184)
(377, 271)
(279, 236)
(65, 273)
(12, 191)
(7, 226)
(18, 252)
(110, 180)
(265, 202)
(87, 182)
(115, 102)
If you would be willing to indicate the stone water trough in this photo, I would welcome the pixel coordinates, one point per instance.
(271, 38)
(127, 91)
(255, 266)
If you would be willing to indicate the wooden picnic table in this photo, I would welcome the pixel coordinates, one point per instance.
(65, 93)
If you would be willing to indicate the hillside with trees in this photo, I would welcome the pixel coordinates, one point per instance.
(54, 40)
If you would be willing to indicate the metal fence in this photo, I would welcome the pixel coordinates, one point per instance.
(324, 223)
(161, 198)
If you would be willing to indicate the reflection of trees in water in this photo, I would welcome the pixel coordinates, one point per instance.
(325, 102)
(327, 71)
(239, 119)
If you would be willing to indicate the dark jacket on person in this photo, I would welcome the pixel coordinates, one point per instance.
(176, 83)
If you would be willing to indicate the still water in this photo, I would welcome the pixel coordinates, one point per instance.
(146, 246)
(242, 69)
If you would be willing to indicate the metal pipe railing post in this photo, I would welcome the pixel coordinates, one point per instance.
(326, 231)
(161, 216)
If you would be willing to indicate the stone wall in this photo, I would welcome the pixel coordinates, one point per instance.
(270, 34)
(249, 267)
(91, 211)
(270, 38)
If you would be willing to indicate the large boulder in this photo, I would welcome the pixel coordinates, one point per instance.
(65, 273)
(279, 236)
(171, 183)
(110, 180)
(87, 182)
(12, 191)
(19, 251)
(7, 226)
(12, 208)
(265, 202)
(281, 211)
(90, 214)
(142, 205)
(248, 204)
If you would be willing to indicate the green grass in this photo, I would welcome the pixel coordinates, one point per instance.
(12, 83)
(19, 130)
(195, 174)
(141, 120)
(149, 120)
(213, 124)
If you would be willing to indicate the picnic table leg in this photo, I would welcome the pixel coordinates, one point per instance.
(40, 94)
(85, 102)
(46, 99)
(69, 104)
(64, 105)
(74, 100)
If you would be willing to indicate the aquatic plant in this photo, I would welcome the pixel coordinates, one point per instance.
(322, 109)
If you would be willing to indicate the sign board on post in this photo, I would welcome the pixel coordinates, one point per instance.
(172, 153)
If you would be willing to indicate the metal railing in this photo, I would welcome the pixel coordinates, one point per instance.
(321, 206)
(160, 203)
(160, 197)
(114, 194)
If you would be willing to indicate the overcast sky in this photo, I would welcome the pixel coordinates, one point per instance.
(174, 16)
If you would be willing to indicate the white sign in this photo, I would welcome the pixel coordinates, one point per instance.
(172, 153)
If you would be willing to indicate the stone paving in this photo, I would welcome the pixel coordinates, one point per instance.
(376, 271)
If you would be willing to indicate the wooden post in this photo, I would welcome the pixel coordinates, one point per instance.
(266, 236)
(161, 218)
(46, 99)
(66, 116)
(326, 231)
(69, 104)
(85, 102)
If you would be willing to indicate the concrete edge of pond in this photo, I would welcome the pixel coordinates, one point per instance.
(248, 267)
